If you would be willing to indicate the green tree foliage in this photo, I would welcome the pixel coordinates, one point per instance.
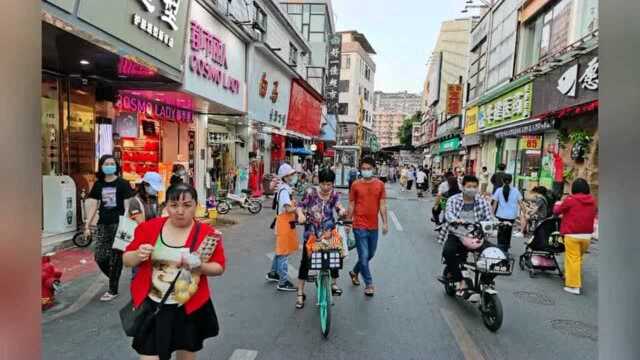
(406, 130)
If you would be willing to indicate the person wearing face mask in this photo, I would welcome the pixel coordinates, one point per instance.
(285, 228)
(507, 202)
(107, 199)
(466, 207)
(367, 201)
(319, 205)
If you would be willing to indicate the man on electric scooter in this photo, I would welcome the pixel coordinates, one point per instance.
(466, 207)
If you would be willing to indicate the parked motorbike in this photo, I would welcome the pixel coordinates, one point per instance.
(245, 201)
(480, 265)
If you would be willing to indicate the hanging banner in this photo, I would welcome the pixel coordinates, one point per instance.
(333, 77)
(470, 121)
(454, 99)
(305, 111)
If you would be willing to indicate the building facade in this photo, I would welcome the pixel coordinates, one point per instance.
(533, 106)
(389, 112)
(441, 126)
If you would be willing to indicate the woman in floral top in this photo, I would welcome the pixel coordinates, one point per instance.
(319, 206)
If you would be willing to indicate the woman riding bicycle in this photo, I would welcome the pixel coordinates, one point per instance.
(319, 205)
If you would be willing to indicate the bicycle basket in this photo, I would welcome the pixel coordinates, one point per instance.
(495, 266)
(325, 260)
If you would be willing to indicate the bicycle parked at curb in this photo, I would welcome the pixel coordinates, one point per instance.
(245, 201)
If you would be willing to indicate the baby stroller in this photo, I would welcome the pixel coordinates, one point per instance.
(541, 250)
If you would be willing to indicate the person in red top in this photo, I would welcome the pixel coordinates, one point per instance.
(578, 212)
(367, 199)
(182, 251)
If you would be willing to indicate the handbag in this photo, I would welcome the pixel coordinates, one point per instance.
(136, 320)
(126, 228)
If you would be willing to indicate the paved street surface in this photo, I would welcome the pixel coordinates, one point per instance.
(410, 317)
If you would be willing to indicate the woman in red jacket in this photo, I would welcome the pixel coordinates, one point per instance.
(181, 251)
(578, 212)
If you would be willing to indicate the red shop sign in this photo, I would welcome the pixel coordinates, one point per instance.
(305, 111)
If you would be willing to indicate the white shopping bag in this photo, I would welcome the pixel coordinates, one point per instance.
(345, 245)
(124, 233)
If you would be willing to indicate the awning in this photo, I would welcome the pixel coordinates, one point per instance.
(300, 151)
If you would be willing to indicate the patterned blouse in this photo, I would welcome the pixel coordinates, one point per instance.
(317, 210)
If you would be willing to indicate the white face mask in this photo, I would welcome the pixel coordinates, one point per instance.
(470, 192)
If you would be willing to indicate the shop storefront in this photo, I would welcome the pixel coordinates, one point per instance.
(98, 72)
(449, 152)
(568, 96)
(268, 98)
(215, 63)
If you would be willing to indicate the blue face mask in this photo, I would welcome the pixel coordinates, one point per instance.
(109, 169)
(367, 174)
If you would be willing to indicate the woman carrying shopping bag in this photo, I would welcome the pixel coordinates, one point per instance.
(175, 256)
(108, 200)
(578, 212)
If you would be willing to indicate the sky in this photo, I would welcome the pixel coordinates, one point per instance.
(402, 32)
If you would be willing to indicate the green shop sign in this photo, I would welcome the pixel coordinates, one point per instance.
(450, 145)
(510, 107)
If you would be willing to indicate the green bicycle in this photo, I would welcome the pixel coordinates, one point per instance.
(324, 261)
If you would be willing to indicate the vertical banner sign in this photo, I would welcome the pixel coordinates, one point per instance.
(333, 78)
(454, 99)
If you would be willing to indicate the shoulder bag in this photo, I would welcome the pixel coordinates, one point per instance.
(137, 320)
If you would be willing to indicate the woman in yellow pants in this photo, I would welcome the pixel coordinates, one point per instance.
(578, 212)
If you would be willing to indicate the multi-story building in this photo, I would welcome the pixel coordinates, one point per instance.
(533, 63)
(442, 96)
(389, 112)
(356, 79)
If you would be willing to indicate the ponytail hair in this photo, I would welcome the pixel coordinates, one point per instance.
(506, 189)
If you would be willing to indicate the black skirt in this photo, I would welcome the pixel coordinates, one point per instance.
(172, 329)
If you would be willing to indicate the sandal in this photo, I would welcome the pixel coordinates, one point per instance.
(369, 291)
(335, 290)
(354, 278)
(300, 304)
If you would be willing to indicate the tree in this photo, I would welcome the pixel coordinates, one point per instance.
(405, 133)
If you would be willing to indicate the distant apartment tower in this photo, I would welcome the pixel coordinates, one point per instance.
(390, 110)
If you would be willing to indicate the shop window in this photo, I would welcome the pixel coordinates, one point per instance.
(50, 115)
(260, 22)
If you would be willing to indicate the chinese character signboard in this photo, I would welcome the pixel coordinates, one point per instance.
(269, 86)
(450, 145)
(508, 108)
(214, 60)
(454, 99)
(156, 27)
(574, 83)
(471, 121)
(333, 75)
(530, 142)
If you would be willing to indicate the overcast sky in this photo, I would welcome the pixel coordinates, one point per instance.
(402, 32)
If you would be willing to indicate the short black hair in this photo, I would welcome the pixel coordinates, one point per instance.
(448, 174)
(484, 168)
(540, 190)
(326, 175)
(507, 179)
(368, 160)
(502, 167)
(468, 179)
(580, 186)
(175, 191)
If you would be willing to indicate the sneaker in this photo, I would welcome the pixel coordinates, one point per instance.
(273, 276)
(108, 297)
(570, 290)
(287, 286)
(369, 291)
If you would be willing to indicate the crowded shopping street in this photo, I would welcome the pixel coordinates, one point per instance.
(410, 317)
